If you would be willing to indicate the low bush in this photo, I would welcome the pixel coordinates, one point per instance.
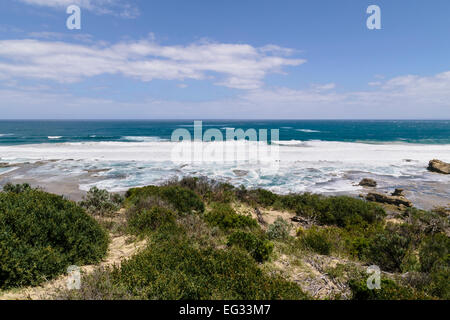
(262, 197)
(226, 218)
(99, 285)
(42, 234)
(184, 201)
(435, 260)
(279, 230)
(426, 222)
(346, 211)
(99, 202)
(177, 270)
(434, 249)
(389, 248)
(147, 220)
(209, 190)
(259, 248)
(389, 290)
(16, 188)
(316, 240)
(341, 211)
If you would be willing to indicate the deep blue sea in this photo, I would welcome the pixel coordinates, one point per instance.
(34, 132)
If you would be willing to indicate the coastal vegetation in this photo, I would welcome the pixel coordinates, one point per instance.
(211, 240)
(41, 234)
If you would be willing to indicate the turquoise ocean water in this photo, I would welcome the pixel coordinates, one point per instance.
(34, 132)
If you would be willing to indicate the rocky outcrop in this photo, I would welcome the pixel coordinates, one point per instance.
(439, 166)
(398, 193)
(366, 182)
(240, 173)
(5, 165)
(399, 201)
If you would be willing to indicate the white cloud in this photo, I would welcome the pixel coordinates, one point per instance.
(114, 7)
(238, 66)
(409, 96)
(421, 98)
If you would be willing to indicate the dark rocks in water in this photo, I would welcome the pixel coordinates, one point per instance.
(439, 166)
(240, 173)
(366, 182)
(5, 165)
(399, 201)
(398, 193)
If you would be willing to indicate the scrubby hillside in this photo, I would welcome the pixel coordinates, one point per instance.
(210, 240)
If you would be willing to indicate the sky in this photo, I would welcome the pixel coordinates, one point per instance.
(217, 59)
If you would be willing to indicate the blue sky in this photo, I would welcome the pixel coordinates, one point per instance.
(225, 59)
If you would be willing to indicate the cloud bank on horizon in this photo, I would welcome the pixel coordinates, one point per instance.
(57, 74)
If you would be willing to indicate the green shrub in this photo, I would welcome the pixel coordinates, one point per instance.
(389, 248)
(440, 279)
(433, 250)
(279, 230)
(426, 222)
(42, 234)
(263, 197)
(260, 249)
(389, 290)
(224, 217)
(209, 190)
(98, 285)
(177, 270)
(183, 200)
(16, 188)
(147, 220)
(99, 202)
(316, 240)
(344, 211)
(435, 259)
(341, 211)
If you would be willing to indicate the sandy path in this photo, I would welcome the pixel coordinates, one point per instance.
(119, 249)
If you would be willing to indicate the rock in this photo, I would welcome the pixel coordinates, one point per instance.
(384, 198)
(398, 193)
(5, 165)
(439, 166)
(240, 173)
(366, 182)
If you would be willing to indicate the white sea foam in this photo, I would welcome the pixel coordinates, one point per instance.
(307, 130)
(316, 166)
(54, 137)
(142, 139)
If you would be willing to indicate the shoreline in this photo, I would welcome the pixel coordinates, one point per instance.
(72, 184)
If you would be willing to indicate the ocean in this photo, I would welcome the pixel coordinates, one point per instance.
(33, 132)
(314, 155)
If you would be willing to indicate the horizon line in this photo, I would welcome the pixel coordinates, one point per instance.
(221, 119)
